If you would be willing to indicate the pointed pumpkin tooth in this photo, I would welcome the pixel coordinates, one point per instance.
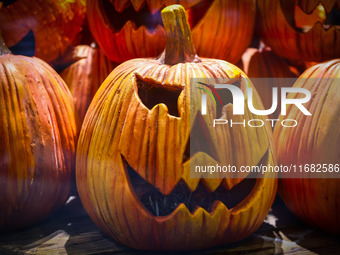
(218, 208)
(329, 5)
(308, 5)
(188, 180)
(311, 5)
(137, 4)
(155, 5)
(181, 213)
(302, 4)
(189, 3)
(229, 183)
(165, 186)
(198, 212)
(211, 184)
(120, 5)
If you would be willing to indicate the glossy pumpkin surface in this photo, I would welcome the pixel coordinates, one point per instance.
(38, 138)
(55, 24)
(132, 162)
(89, 69)
(133, 29)
(264, 65)
(305, 30)
(315, 140)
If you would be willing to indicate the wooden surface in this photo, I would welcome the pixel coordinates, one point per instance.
(71, 231)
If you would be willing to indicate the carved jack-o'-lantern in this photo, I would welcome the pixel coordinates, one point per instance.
(38, 139)
(55, 24)
(131, 29)
(303, 29)
(133, 165)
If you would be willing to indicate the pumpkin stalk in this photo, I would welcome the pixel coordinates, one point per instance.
(179, 46)
(3, 47)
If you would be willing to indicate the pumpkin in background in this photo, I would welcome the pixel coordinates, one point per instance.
(131, 29)
(89, 69)
(133, 167)
(265, 64)
(37, 137)
(315, 140)
(285, 26)
(55, 24)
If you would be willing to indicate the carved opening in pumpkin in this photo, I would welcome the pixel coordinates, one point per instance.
(201, 140)
(159, 204)
(303, 17)
(152, 94)
(199, 133)
(144, 16)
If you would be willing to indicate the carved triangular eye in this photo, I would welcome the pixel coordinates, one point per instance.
(152, 94)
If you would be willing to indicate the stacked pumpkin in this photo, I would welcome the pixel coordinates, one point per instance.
(308, 31)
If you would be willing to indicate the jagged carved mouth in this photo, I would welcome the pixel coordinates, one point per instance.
(159, 204)
(304, 16)
(143, 14)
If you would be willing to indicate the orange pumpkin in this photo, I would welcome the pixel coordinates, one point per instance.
(315, 140)
(266, 64)
(38, 138)
(133, 167)
(285, 26)
(55, 24)
(131, 29)
(89, 69)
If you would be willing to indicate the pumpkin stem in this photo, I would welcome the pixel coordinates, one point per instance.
(179, 46)
(3, 47)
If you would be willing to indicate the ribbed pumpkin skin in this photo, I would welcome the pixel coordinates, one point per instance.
(315, 45)
(153, 143)
(37, 137)
(266, 64)
(224, 32)
(55, 24)
(315, 140)
(84, 76)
